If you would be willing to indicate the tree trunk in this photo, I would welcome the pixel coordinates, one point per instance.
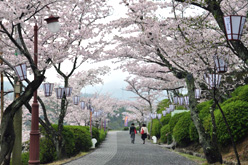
(210, 148)
(17, 150)
(7, 128)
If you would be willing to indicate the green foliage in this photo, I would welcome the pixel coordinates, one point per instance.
(165, 130)
(82, 139)
(236, 114)
(181, 129)
(25, 158)
(125, 128)
(240, 93)
(179, 107)
(162, 104)
(166, 119)
(47, 151)
(204, 109)
(193, 134)
(76, 139)
(69, 138)
(156, 128)
(174, 119)
(96, 135)
(102, 135)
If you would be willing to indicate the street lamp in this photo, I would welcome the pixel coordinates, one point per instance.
(220, 64)
(212, 80)
(197, 93)
(175, 99)
(82, 105)
(76, 100)
(186, 100)
(48, 89)
(59, 92)
(172, 107)
(35, 133)
(68, 91)
(181, 100)
(234, 26)
(21, 71)
(164, 113)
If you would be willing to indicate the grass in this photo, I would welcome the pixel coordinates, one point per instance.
(196, 159)
(69, 159)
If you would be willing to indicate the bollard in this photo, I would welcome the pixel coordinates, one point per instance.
(154, 138)
(94, 141)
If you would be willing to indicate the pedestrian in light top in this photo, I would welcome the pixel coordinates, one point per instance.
(144, 132)
(132, 132)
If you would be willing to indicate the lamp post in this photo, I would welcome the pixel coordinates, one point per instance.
(53, 26)
(213, 81)
(234, 26)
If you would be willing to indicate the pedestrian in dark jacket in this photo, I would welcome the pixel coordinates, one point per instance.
(132, 132)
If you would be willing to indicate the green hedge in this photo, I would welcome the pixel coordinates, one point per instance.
(77, 139)
(181, 129)
(174, 119)
(165, 133)
(236, 114)
(193, 134)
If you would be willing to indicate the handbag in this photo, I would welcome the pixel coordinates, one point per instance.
(135, 131)
(142, 131)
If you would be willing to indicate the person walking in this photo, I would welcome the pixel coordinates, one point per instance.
(132, 132)
(144, 132)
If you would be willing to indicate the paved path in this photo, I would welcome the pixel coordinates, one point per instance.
(118, 150)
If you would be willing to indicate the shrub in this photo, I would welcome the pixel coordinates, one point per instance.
(47, 151)
(82, 139)
(77, 138)
(25, 158)
(156, 128)
(236, 114)
(181, 129)
(102, 135)
(204, 109)
(193, 134)
(165, 130)
(96, 135)
(166, 119)
(69, 138)
(174, 119)
(125, 129)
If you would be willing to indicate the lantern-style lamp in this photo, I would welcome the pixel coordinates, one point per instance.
(59, 92)
(234, 26)
(172, 107)
(181, 100)
(68, 91)
(212, 80)
(21, 71)
(175, 99)
(164, 113)
(53, 24)
(159, 116)
(220, 64)
(48, 89)
(76, 100)
(82, 105)
(197, 93)
(186, 100)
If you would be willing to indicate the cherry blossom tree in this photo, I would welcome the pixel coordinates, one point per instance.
(78, 23)
(143, 90)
